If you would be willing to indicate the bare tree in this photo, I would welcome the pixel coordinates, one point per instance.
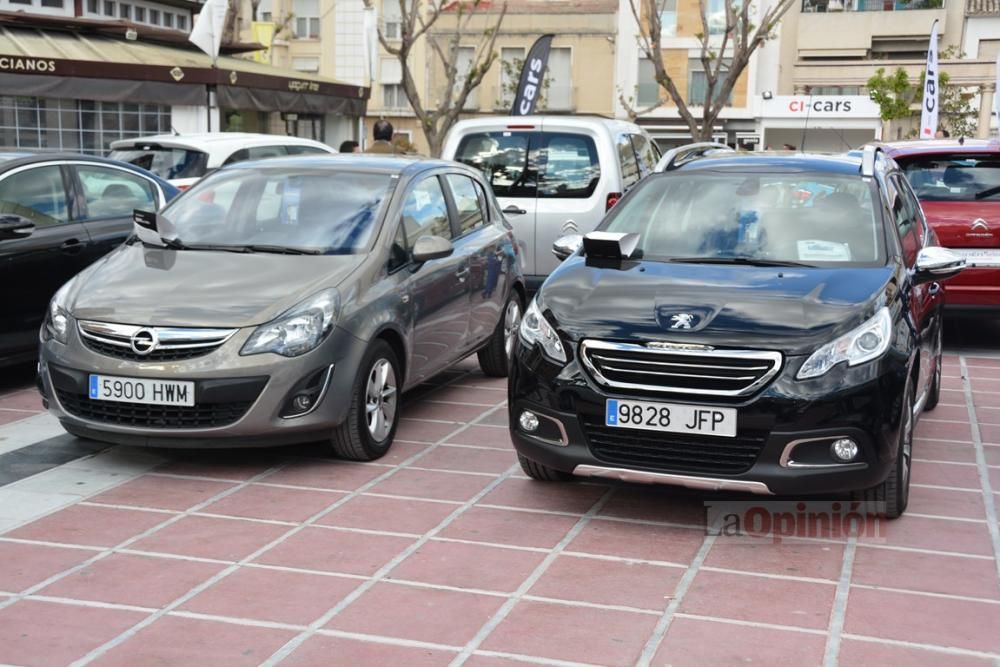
(417, 18)
(724, 55)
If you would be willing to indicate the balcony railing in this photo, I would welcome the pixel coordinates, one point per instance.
(982, 8)
(876, 5)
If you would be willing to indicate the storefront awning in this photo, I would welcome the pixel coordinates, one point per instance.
(78, 64)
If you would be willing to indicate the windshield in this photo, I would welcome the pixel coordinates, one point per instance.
(815, 219)
(954, 178)
(315, 210)
(167, 163)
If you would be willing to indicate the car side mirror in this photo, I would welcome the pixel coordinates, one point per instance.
(937, 263)
(567, 245)
(15, 227)
(431, 247)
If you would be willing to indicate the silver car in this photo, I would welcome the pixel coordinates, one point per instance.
(285, 300)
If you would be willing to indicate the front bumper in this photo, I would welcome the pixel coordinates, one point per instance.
(240, 401)
(783, 432)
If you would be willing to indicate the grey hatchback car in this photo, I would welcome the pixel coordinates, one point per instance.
(282, 301)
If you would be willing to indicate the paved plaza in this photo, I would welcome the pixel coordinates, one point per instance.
(445, 553)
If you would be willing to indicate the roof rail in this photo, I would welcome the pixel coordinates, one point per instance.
(871, 152)
(675, 157)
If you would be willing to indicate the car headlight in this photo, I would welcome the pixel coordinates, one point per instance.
(57, 320)
(535, 329)
(868, 341)
(298, 330)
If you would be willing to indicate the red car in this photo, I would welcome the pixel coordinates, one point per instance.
(958, 184)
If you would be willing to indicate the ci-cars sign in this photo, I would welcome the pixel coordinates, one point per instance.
(820, 106)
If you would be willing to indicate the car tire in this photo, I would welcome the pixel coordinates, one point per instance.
(894, 492)
(494, 358)
(542, 473)
(367, 432)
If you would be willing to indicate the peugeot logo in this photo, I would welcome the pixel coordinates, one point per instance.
(682, 321)
(980, 225)
(143, 341)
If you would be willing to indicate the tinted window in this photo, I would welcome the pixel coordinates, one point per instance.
(305, 150)
(568, 166)
(809, 218)
(332, 212)
(646, 151)
(36, 194)
(955, 178)
(626, 159)
(505, 160)
(168, 163)
(238, 156)
(112, 193)
(264, 152)
(425, 212)
(470, 202)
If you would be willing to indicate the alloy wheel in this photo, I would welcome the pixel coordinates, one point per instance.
(380, 400)
(511, 323)
(907, 449)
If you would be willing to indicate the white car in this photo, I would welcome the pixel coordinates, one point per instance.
(182, 159)
(553, 175)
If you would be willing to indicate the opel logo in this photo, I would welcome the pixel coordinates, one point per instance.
(143, 341)
(980, 225)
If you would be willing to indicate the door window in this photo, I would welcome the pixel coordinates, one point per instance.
(626, 159)
(913, 203)
(305, 150)
(506, 160)
(425, 212)
(907, 219)
(36, 194)
(112, 193)
(265, 152)
(646, 151)
(569, 168)
(470, 203)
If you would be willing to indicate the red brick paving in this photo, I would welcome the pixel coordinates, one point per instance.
(465, 544)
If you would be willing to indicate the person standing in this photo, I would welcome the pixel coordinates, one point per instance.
(349, 146)
(382, 132)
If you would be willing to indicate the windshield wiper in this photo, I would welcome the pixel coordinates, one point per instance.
(174, 244)
(748, 261)
(988, 192)
(282, 250)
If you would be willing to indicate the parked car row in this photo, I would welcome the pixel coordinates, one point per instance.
(767, 323)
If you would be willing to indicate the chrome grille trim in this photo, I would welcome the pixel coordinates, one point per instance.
(168, 339)
(715, 361)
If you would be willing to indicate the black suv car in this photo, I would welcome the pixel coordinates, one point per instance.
(748, 322)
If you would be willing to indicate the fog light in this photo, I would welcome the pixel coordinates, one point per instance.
(844, 450)
(528, 421)
(302, 402)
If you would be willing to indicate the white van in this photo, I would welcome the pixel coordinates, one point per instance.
(553, 175)
(182, 159)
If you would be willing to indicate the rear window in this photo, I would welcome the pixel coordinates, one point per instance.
(168, 163)
(954, 178)
(534, 164)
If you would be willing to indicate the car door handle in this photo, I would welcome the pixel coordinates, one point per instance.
(934, 289)
(463, 274)
(71, 246)
(514, 210)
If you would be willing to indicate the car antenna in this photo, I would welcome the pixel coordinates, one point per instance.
(174, 131)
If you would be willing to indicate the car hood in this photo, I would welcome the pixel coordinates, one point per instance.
(138, 284)
(794, 310)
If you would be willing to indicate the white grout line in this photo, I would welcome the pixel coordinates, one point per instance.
(526, 585)
(947, 650)
(984, 475)
(943, 596)
(663, 625)
(751, 624)
(533, 660)
(839, 611)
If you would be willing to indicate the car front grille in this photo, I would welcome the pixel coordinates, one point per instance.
(152, 416)
(679, 369)
(137, 343)
(672, 452)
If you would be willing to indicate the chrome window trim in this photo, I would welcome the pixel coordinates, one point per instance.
(688, 481)
(762, 355)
